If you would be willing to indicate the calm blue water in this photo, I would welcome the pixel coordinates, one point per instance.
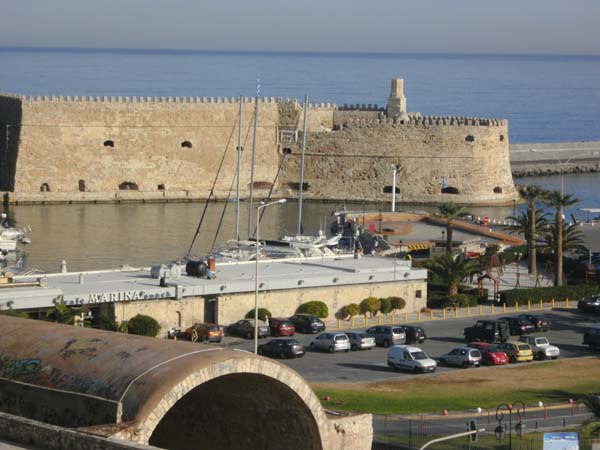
(545, 98)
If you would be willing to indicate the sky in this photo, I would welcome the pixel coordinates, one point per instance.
(385, 26)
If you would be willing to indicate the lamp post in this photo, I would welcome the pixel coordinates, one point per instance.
(563, 164)
(395, 168)
(258, 208)
(518, 408)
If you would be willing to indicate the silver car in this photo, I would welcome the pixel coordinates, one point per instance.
(462, 357)
(361, 341)
(331, 342)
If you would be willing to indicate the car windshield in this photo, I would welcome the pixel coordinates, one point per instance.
(419, 355)
(542, 341)
(523, 347)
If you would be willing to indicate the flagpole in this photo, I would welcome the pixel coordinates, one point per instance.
(302, 167)
(238, 171)
(250, 233)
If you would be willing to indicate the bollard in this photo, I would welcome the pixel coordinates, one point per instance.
(492, 308)
(480, 310)
(552, 303)
(567, 302)
(378, 320)
(406, 316)
(455, 312)
(366, 321)
(393, 318)
(418, 315)
(339, 324)
(468, 311)
(516, 306)
(528, 305)
(431, 314)
(504, 307)
(352, 322)
(444, 316)
(545, 412)
(541, 305)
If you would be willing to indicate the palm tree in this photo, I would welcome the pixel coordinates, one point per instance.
(572, 239)
(522, 226)
(556, 199)
(450, 211)
(532, 193)
(61, 313)
(452, 271)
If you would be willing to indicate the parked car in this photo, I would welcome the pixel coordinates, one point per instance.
(589, 304)
(331, 342)
(489, 357)
(487, 331)
(540, 346)
(414, 334)
(387, 335)
(281, 327)
(361, 341)
(282, 348)
(518, 325)
(307, 323)
(592, 338)
(245, 328)
(410, 358)
(461, 356)
(516, 351)
(204, 332)
(539, 321)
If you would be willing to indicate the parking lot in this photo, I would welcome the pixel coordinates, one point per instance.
(567, 328)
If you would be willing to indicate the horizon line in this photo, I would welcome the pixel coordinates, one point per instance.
(146, 50)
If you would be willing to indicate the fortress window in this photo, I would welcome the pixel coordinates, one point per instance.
(45, 187)
(161, 187)
(470, 138)
(109, 143)
(287, 151)
(450, 190)
(497, 190)
(262, 185)
(388, 189)
(296, 186)
(128, 186)
(186, 144)
(501, 138)
(81, 185)
(418, 293)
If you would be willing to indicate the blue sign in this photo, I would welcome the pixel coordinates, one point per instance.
(561, 441)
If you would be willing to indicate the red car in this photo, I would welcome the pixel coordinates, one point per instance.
(488, 357)
(281, 326)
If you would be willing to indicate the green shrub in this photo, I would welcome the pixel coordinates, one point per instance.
(398, 303)
(386, 305)
(370, 305)
(263, 313)
(316, 308)
(462, 300)
(560, 293)
(351, 310)
(143, 326)
(105, 322)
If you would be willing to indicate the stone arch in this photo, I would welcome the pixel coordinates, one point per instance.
(470, 138)
(128, 186)
(81, 185)
(501, 138)
(390, 189)
(109, 143)
(45, 187)
(497, 190)
(450, 190)
(186, 144)
(236, 394)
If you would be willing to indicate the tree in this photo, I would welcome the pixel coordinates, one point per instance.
(398, 303)
(450, 211)
(61, 313)
(559, 201)
(572, 239)
(452, 270)
(525, 228)
(370, 305)
(532, 194)
(143, 325)
(263, 313)
(315, 307)
(351, 310)
(386, 305)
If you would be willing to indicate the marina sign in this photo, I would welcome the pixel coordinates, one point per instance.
(119, 296)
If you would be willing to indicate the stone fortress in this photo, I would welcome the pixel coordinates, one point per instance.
(106, 149)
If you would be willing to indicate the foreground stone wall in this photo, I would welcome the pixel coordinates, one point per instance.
(231, 308)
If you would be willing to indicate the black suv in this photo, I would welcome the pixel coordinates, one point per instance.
(488, 331)
(387, 335)
(307, 323)
(539, 321)
(519, 325)
(592, 338)
(414, 334)
(591, 304)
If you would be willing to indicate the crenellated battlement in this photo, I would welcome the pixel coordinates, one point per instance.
(415, 119)
(361, 107)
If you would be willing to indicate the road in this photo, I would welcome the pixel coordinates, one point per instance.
(567, 328)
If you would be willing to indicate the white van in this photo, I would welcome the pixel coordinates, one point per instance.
(410, 358)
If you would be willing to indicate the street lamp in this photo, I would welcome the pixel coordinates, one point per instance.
(563, 165)
(395, 168)
(258, 208)
(518, 408)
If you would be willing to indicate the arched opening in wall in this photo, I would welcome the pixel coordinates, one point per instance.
(450, 190)
(252, 409)
(497, 190)
(470, 138)
(81, 185)
(128, 186)
(109, 143)
(45, 187)
(161, 187)
(186, 144)
(296, 186)
(501, 138)
(287, 151)
(390, 189)
(262, 185)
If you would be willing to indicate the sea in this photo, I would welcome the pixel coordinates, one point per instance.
(546, 98)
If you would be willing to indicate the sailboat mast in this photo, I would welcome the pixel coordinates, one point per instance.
(253, 159)
(239, 163)
(302, 167)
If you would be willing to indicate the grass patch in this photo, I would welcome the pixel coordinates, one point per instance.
(552, 381)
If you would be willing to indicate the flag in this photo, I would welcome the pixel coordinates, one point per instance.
(444, 184)
(258, 87)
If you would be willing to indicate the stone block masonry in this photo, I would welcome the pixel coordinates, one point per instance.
(57, 149)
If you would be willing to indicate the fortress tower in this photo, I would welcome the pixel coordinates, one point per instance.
(396, 105)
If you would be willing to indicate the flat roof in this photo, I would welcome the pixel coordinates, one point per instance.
(128, 284)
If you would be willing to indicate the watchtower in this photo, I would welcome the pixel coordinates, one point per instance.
(396, 105)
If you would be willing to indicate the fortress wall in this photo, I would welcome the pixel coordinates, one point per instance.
(354, 162)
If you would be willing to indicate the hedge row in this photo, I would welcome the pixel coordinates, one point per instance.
(522, 296)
